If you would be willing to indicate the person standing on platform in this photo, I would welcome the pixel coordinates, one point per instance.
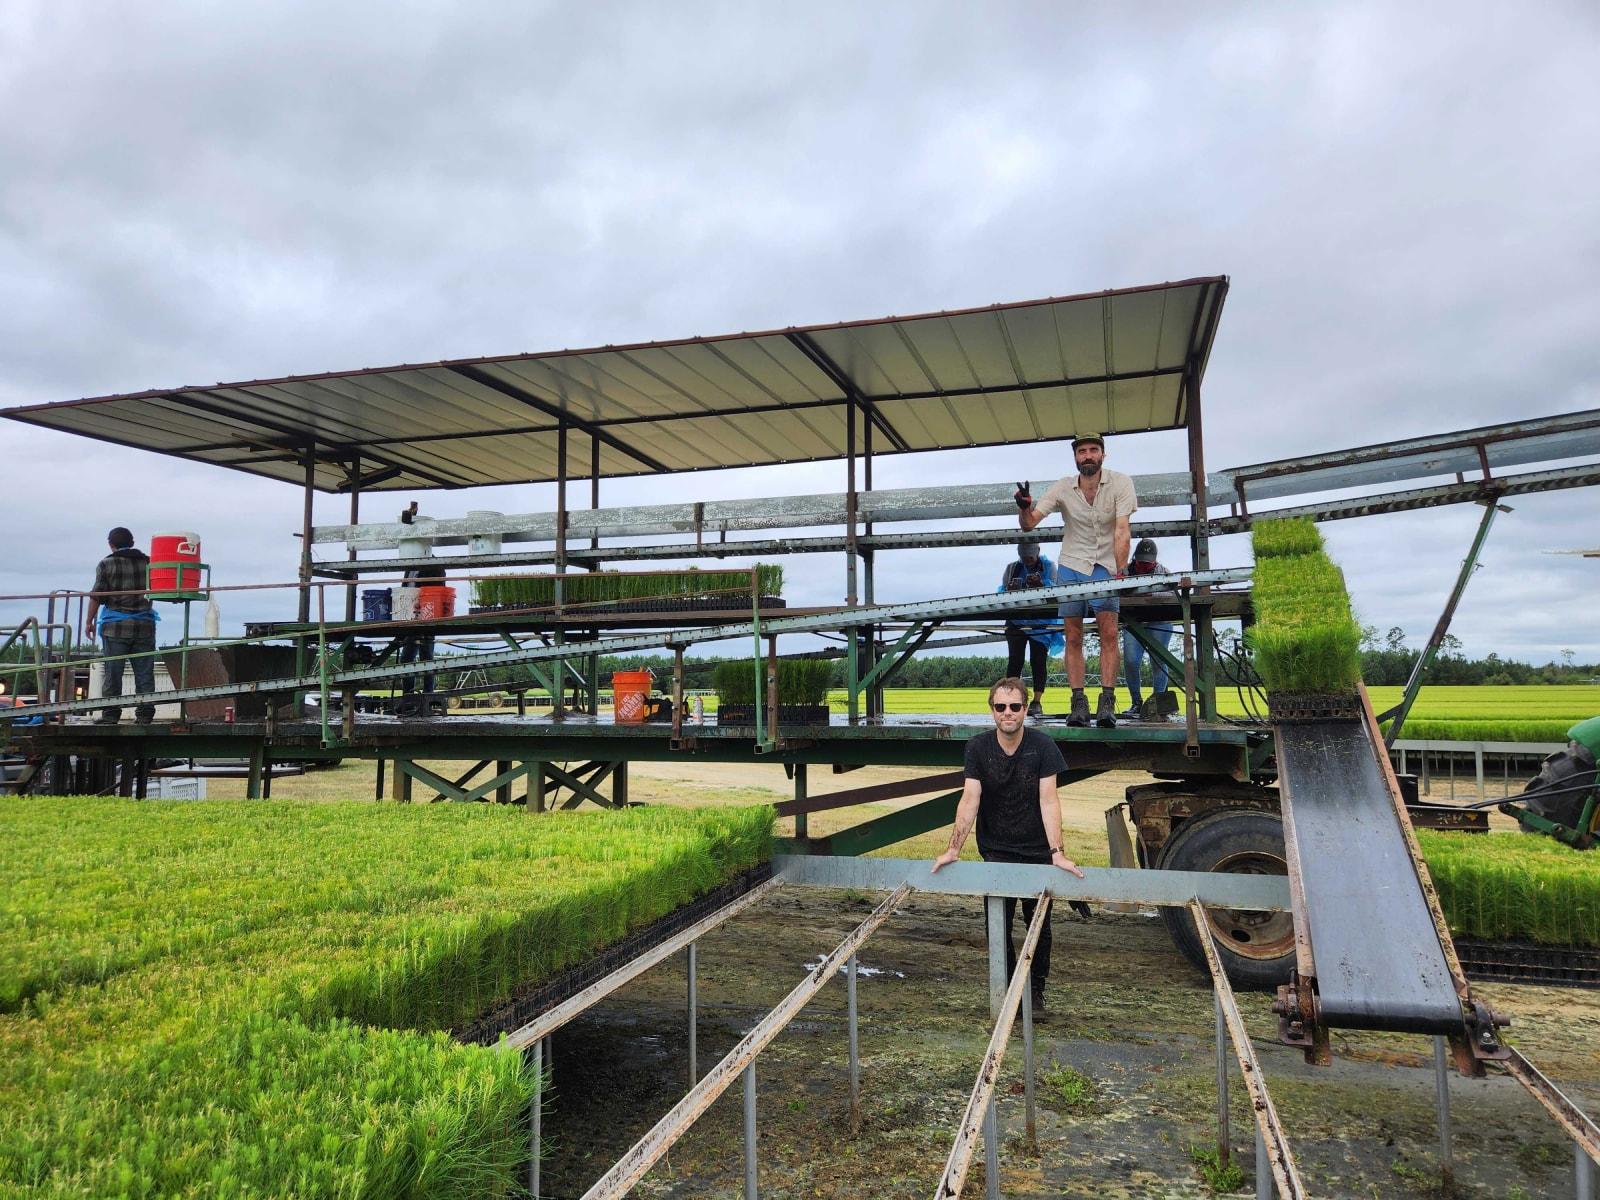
(1095, 506)
(1144, 562)
(1010, 798)
(121, 614)
(418, 647)
(1032, 638)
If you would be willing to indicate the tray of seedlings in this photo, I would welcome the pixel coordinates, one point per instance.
(802, 691)
(602, 593)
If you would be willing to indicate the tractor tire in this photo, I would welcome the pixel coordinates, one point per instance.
(1257, 949)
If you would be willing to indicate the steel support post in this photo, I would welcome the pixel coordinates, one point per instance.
(691, 970)
(1030, 1125)
(800, 820)
(1582, 1173)
(750, 1190)
(354, 478)
(1200, 539)
(536, 1120)
(991, 1151)
(560, 693)
(502, 767)
(1441, 1080)
(1264, 1186)
(1441, 627)
(252, 786)
(1224, 1135)
(995, 912)
(851, 502)
(855, 1045)
(305, 532)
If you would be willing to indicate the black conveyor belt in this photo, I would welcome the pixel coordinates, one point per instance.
(1379, 964)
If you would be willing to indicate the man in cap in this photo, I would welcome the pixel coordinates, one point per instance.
(1095, 506)
(1032, 638)
(121, 614)
(1144, 562)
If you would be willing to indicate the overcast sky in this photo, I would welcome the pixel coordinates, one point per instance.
(1405, 197)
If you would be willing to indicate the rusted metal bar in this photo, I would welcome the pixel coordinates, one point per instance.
(548, 1022)
(955, 1167)
(870, 795)
(306, 527)
(632, 1166)
(1568, 1115)
(1279, 1156)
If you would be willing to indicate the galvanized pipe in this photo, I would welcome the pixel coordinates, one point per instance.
(1263, 1169)
(1583, 1173)
(991, 1152)
(999, 935)
(691, 954)
(1441, 1077)
(1224, 1135)
(1030, 1124)
(537, 1120)
(855, 1047)
(750, 1192)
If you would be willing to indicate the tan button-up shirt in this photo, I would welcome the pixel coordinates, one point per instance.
(1090, 527)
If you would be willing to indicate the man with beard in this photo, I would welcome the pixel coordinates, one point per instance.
(1010, 795)
(1095, 506)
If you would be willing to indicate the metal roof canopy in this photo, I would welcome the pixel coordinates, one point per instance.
(1115, 361)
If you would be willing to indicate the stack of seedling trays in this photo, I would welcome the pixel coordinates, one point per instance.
(218, 998)
(1306, 642)
(1522, 907)
(606, 593)
(802, 691)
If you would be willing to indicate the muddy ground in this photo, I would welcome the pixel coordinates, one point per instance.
(1124, 1009)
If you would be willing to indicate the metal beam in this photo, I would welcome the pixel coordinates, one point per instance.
(1567, 1114)
(1281, 1158)
(839, 619)
(807, 345)
(632, 1166)
(484, 379)
(1100, 885)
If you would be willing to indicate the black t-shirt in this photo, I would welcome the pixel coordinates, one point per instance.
(1008, 813)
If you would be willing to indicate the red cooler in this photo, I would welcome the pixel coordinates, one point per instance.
(175, 566)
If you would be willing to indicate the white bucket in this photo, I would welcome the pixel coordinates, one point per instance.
(405, 603)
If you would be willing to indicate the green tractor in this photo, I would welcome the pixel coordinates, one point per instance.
(1562, 800)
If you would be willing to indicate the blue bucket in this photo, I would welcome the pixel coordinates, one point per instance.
(377, 605)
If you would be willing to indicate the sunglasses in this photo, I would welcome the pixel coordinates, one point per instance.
(1016, 707)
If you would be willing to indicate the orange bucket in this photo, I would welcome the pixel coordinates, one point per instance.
(629, 692)
(435, 602)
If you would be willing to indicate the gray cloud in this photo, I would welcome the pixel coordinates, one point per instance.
(1403, 195)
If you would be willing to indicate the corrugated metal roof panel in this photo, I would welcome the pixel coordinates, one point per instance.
(1108, 362)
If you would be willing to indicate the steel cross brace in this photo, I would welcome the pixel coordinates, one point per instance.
(916, 633)
(455, 791)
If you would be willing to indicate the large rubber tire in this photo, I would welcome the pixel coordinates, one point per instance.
(1257, 949)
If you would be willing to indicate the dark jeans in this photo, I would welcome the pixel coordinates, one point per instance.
(1019, 643)
(144, 671)
(416, 649)
(1041, 954)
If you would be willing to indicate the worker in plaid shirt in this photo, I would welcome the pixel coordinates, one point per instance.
(121, 614)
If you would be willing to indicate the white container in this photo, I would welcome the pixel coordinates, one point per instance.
(405, 603)
(483, 543)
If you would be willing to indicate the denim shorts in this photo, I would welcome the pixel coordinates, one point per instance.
(1082, 608)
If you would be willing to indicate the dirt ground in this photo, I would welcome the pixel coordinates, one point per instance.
(1124, 1009)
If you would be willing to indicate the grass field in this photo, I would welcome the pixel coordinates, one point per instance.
(1563, 705)
(225, 999)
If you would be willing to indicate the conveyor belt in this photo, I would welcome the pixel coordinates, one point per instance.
(1376, 950)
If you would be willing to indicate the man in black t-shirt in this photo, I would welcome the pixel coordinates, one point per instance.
(1010, 795)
